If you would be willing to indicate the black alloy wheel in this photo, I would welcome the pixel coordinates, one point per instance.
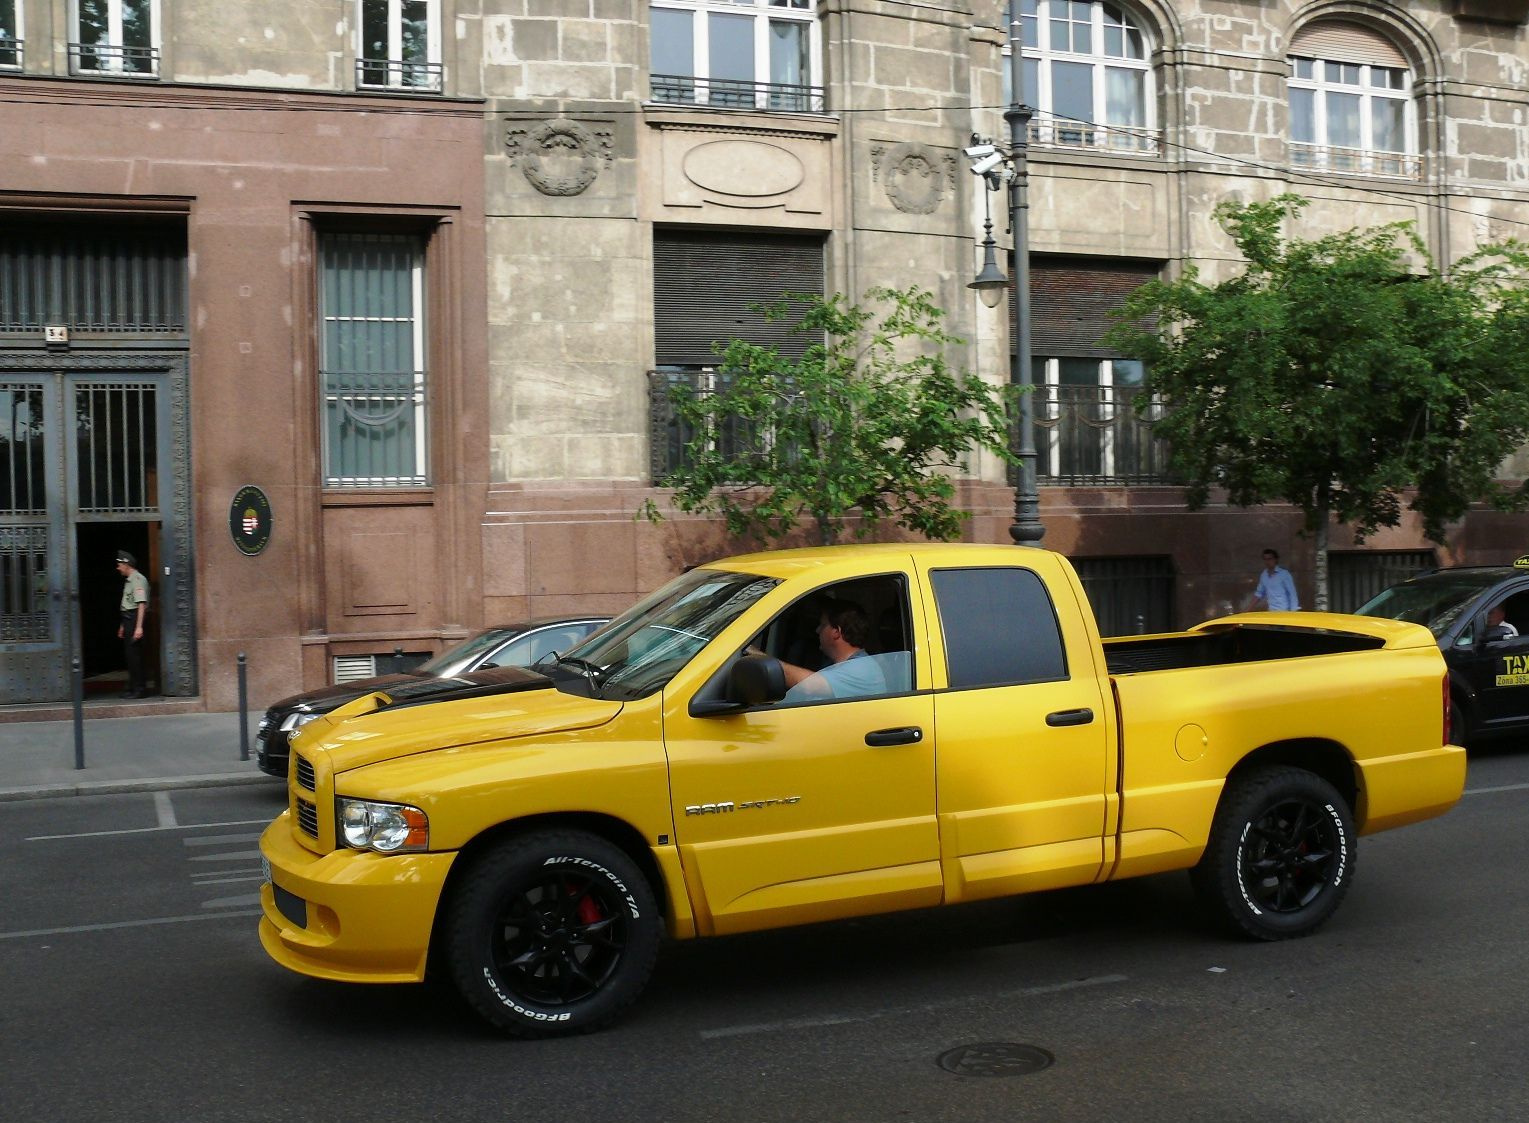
(1288, 856)
(551, 933)
(1280, 856)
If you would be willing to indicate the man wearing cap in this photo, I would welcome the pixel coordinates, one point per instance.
(134, 607)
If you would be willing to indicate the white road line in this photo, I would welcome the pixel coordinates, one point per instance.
(1489, 791)
(79, 928)
(164, 809)
(225, 902)
(220, 839)
(149, 830)
(226, 880)
(231, 856)
(900, 1011)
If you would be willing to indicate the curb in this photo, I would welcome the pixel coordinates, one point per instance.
(110, 787)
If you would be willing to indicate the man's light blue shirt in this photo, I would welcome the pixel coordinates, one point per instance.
(1277, 590)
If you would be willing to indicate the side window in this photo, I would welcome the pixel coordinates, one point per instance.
(999, 627)
(848, 640)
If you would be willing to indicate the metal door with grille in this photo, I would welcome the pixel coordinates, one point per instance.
(83, 457)
(33, 616)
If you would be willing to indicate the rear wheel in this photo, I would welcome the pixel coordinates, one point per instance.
(552, 933)
(1280, 855)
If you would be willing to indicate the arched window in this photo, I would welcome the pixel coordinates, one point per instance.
(1087, 74)
(1351, 107)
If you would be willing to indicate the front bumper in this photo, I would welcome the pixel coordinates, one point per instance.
(348, 915)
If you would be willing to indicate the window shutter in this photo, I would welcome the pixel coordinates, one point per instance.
(1071, 301)
(1346, 42)
(705, 281)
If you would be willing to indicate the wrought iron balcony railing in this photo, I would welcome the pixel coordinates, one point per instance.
(1085, 134)
(730, 93)
(1093, 435)
(125, 62)
(1084, 435)
(390, 74)
(1355, 161)
(10, 53)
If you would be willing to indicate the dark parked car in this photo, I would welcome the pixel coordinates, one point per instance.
(514, 645)
(1488, 663)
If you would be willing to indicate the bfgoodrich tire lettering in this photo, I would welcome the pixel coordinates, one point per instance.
(552, 933)
(1281, 854)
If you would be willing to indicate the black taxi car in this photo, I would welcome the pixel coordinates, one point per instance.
(510, 645)
(1488, 661)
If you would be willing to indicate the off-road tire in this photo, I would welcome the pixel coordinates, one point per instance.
(1281, 854)
(551, 933)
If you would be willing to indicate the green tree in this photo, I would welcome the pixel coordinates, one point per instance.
(869, 422)
(1338, 374)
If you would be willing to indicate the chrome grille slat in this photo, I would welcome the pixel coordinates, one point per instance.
(304, 773)
(308, 818)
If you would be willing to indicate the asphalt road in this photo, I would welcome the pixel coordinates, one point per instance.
(135, 989)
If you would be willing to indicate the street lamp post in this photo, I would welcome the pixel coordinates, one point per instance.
(994, 166)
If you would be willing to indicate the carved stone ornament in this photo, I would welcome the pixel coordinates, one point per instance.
(913, 175)
(559, 157)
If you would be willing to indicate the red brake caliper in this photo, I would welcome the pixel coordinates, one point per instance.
(588, 910)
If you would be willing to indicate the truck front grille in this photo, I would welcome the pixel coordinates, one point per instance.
(304, 772)
(308, 818)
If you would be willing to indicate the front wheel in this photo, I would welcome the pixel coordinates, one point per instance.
(552, 933)
(1280, 855)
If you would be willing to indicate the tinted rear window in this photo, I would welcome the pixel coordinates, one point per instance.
(1000, 627)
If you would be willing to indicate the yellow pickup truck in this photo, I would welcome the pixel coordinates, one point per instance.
(804, 735)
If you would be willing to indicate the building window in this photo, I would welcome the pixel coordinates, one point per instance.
(1087, 74)
(10, 34)
(400, 46)
(372, 359)
(1351, 106)
(1089, 430)
(738, 54)
(116, 37)
(707, 290)
(1130, 596)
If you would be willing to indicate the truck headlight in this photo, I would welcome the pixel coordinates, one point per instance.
(384, 827)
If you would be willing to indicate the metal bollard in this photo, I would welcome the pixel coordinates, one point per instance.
(77, 693)
(1141, 624)
(244, 712)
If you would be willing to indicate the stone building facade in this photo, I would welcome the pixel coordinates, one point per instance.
(424, 268)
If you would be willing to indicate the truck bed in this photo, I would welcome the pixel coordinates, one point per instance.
(1219, 643)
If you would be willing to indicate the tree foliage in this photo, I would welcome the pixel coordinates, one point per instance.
(1339, 374)
(869, 422)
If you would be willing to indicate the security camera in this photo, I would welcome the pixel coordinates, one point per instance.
(977, 151)
(987, 163)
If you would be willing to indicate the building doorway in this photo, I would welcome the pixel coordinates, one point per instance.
(86, 469)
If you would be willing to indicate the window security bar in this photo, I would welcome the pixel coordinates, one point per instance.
(729, 93)
(1355, 161)
(102, 58)
(390, 74)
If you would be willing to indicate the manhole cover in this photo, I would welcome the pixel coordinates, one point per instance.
(995, 1058)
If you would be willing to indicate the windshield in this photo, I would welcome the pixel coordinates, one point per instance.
(455, 660)
(641, 650)
(1436, 603)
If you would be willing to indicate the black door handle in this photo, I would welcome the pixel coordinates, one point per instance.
(904, 735)
(1071, 717)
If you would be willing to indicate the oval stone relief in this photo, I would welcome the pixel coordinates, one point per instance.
(743, 167)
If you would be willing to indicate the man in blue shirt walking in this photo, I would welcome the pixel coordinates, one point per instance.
(1276, 588)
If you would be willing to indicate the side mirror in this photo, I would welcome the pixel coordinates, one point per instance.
(757, 680)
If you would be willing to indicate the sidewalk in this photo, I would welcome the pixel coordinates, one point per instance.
(121, 754)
